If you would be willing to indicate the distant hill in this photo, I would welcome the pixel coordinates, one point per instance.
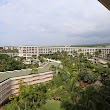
(92, 45)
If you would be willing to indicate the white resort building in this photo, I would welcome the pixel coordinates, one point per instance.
(28, 51)
(10, 81)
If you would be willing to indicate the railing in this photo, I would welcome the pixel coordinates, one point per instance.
(11, 88)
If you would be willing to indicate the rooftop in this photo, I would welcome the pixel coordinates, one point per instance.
(16, 73)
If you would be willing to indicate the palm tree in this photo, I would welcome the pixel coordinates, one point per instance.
(108, 56)
(34, 56)
(34, 71)
(97, 53)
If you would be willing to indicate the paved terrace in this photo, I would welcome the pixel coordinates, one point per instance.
(16, 73)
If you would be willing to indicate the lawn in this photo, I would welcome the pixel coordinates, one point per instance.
(53, 105)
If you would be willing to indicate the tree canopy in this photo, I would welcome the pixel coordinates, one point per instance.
(74, 85)
(8, 63)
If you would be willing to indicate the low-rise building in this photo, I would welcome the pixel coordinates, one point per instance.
(11, 86)
(10, 81)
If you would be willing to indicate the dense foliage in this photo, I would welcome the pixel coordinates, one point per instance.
(30, 98)
(8, 50)
(78, 84)
(8, 63)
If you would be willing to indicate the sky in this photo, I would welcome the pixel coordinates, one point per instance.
(53, 22)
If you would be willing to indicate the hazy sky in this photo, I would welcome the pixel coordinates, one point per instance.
(53, 22)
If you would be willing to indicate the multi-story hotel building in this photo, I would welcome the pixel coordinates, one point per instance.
(10, 81)
(28, 51)
(10, 86)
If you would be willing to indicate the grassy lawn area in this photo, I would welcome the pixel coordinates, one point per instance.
(53, 105)
(47, 67)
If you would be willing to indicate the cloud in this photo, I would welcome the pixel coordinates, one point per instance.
(53, 22)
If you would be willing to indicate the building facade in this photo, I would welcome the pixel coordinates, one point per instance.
(29, 51)
(10, 47)
(11, 86)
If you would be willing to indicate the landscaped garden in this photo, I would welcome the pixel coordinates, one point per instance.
(52, 105)
(74, 87)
